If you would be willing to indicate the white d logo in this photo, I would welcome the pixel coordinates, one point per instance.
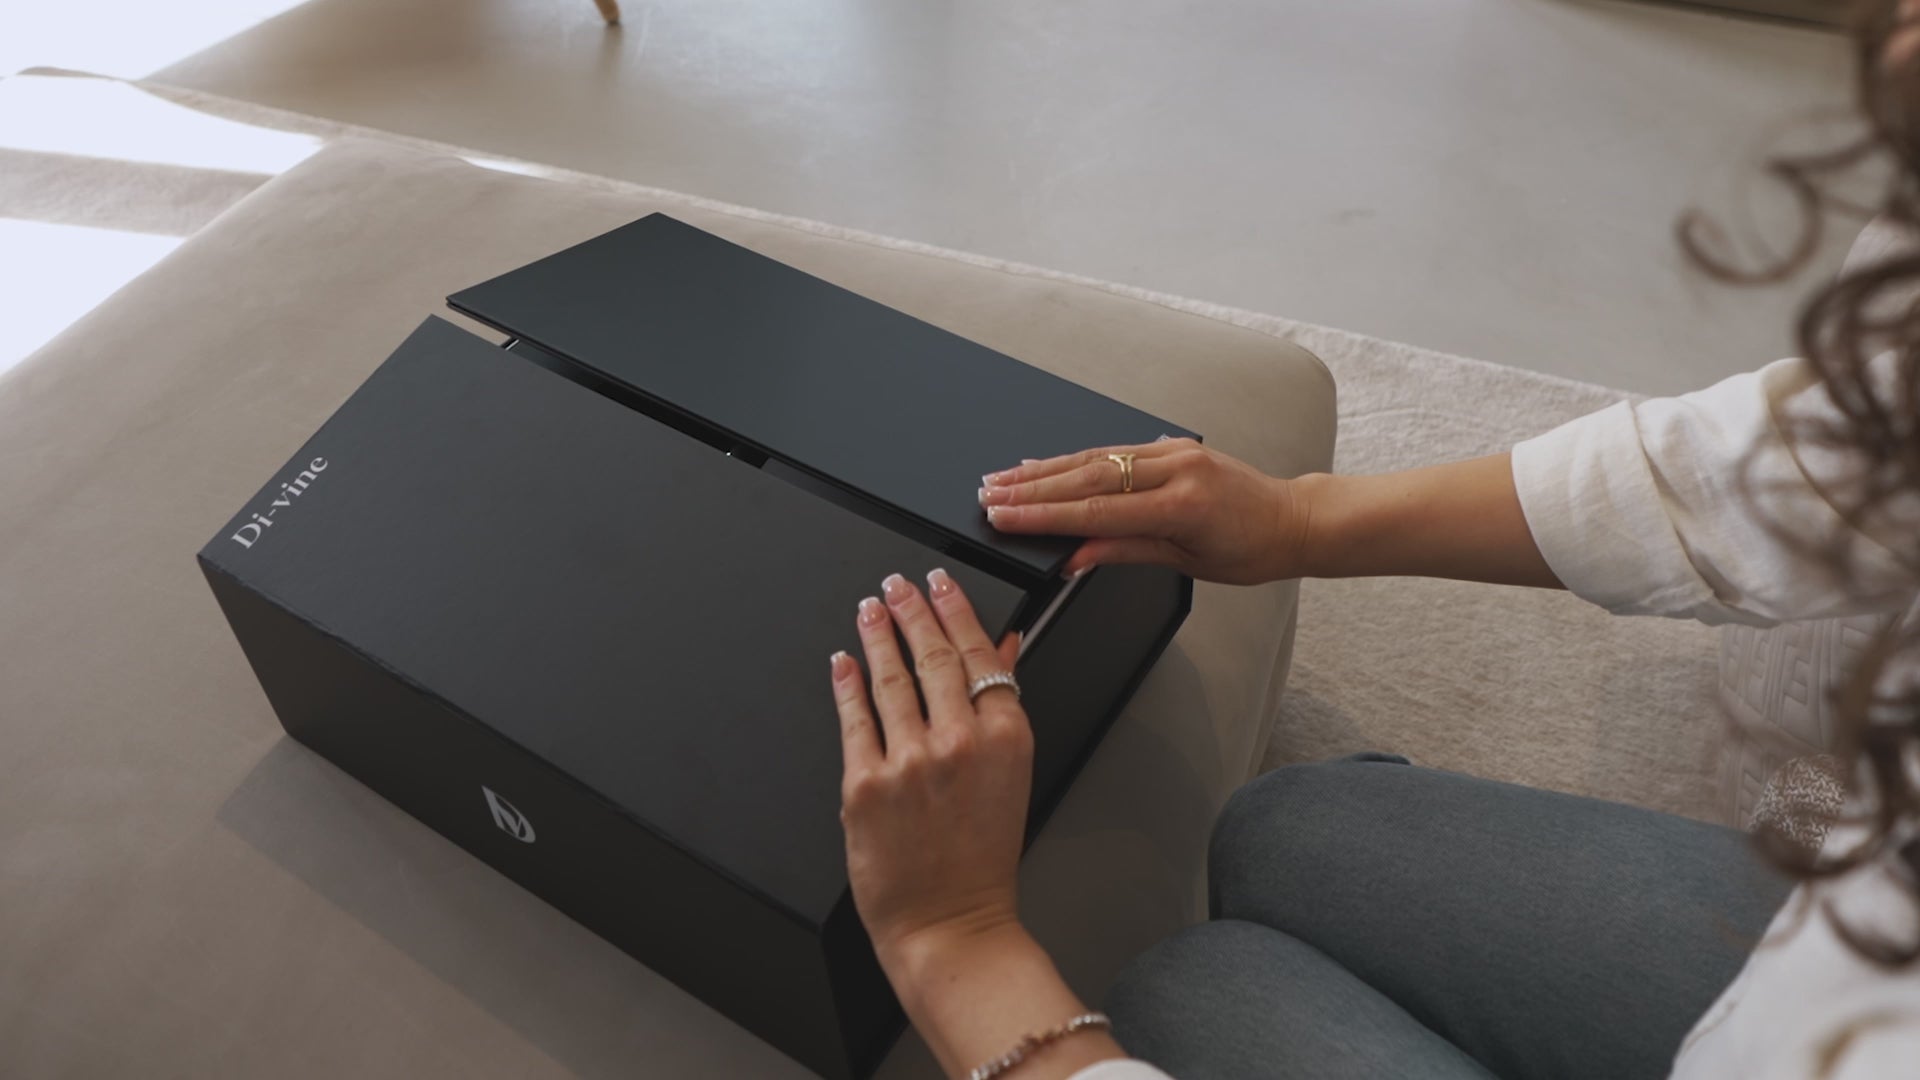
(511, 821)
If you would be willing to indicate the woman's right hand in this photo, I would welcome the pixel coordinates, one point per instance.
(1191, 508)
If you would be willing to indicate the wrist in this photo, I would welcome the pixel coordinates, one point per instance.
(917, 962)
(1313, 501)
(974, 992)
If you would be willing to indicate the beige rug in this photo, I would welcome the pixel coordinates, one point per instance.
(1506, 683)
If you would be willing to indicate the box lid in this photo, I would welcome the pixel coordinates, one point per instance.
(629, 604)
(800, 369)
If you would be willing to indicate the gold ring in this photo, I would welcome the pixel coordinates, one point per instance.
(1125, 461)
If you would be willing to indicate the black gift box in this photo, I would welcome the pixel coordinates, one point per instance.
(570, 602)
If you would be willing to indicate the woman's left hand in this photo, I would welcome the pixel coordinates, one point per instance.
(935, 804)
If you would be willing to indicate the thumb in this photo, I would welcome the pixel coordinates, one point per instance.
(1118, 551)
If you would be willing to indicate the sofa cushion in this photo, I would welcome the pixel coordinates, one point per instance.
(188, 892)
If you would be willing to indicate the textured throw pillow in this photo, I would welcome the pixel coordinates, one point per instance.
(1801, 801)
(1774, 692)
(1775, 684)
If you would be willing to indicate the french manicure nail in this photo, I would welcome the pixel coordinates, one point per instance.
(1029, 461)
(872, 612)
(995, 496)
(999, 479)
(895, 587)
(939, 583)
(837, 661)
(993, 514)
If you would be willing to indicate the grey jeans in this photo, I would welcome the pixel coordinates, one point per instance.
(1374, 919)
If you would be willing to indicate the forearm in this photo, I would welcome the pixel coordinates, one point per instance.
(1461, 520)
(973, 999)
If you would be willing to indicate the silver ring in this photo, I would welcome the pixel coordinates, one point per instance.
(991, 680)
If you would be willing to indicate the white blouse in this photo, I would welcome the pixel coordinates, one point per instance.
(1694, 507)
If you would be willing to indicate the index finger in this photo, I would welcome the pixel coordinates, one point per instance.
(1134, 513)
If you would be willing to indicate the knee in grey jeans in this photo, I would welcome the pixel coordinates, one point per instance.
(1467, 926)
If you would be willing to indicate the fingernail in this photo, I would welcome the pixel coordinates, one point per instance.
(872, 612)
(999, 479)
(938, 583)
(837, 663)
(995, 496)
(994, 514)
(1080, 573)
(896, 588)
(1029, 461)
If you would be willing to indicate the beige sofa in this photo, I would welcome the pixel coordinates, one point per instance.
(186, 892)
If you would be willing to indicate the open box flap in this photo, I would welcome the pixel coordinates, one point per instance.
(833, 384)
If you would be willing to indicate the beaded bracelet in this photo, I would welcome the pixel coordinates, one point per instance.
(1030, 1043)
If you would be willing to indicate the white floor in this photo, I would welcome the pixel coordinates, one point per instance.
(1496, 178)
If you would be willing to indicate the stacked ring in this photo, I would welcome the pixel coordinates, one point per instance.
(990, 680)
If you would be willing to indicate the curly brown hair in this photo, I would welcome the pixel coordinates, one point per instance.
(1861, 332)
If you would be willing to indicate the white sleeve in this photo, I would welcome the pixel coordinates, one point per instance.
(1883, 1053)
(1698, 507)
(1882, 1046)
(1120, 1069)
